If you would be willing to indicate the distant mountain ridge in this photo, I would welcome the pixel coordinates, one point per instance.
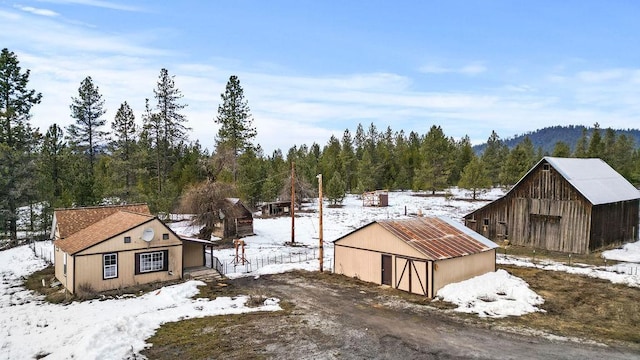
(546, 138)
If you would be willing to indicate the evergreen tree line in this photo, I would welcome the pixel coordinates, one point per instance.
(87, 164)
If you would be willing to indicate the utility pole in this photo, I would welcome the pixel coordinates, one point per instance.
(293, 203)
(321, 252)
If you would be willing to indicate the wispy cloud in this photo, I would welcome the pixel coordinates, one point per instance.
(469, 69)
(97, 3)
(37, 11)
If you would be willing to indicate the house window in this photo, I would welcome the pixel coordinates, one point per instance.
(64, 264)
(545, 167)
(127, 239)
(165, 236)
(152, 261)
(485, 222)
(110, 266)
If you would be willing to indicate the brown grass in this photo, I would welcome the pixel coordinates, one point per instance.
(213, 336)
(53, 295)
(594, 258)
(580, 306)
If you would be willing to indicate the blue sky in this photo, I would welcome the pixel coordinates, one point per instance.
(311, 69)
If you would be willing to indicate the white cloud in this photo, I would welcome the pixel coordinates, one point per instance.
(37, 11)
(96, 3)
(469, 69)
(602, 75)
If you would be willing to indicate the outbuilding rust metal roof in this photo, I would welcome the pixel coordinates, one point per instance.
(437, 238)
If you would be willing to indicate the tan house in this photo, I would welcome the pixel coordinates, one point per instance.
(419, 255)
(112, 247)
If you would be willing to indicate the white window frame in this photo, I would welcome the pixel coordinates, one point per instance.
(112, 268)
(64, 263)
(151, 262)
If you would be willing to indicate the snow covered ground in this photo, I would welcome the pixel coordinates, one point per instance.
(118, 328)
(109, 329)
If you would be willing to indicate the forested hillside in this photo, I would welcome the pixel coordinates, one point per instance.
(149, 157)
(547, 138)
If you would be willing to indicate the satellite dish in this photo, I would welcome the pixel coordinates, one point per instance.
(147, 234)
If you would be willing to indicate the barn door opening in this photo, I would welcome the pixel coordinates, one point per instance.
(386, 269)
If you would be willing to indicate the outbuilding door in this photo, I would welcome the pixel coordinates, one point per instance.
(412, 275)
(386, 270)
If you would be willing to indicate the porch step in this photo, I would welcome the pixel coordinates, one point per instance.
(206, 275)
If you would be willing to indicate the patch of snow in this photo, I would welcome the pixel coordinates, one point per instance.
(113, 329)
(626, 274)
(495, 294)
(628, 253)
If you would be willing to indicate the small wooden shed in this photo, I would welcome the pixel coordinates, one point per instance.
(276, 208)
(563, 204)
(236, 218)
(378, 198)
(419, 255)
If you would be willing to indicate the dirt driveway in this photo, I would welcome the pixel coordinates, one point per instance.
(337, 319)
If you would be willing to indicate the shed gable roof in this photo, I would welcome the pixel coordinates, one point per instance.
(436, 238)
(72, 220)
(102, 230)
(594, 179)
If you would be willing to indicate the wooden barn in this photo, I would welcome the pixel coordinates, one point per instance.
(236, 219)
(563, 204)
(419, 255)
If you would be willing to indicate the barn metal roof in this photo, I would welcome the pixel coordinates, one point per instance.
(594, 179)
(438, 238)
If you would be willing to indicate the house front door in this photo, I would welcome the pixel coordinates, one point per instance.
(386, 269)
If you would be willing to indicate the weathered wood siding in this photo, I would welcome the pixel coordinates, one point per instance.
(614, 224)
(543, 211)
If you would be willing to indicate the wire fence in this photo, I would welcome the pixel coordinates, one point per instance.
(251, 264)
(42, 250)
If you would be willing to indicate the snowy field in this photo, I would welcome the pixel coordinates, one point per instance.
(118, 328)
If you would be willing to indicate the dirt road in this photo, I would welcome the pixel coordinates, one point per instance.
(358, 321)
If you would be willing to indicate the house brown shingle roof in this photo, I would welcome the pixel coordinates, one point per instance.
(104, 229)
(72, 220)
(436, 238)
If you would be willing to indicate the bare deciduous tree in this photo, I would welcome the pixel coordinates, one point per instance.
(205, 200)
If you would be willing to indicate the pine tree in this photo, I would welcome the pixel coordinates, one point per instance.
(596, 146)
(251, 175)
(494, 155)
(123, 149)
(152, 137)
(236, 124)
(335, 190)
(474, 176)
(581, 145)
(85, 136)
(17, 140)
(330, 160)
(608, 145)
(463, 155)
(348, 161)
(561, 149)
(85, 141)
(172, 131)
(437, 161)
